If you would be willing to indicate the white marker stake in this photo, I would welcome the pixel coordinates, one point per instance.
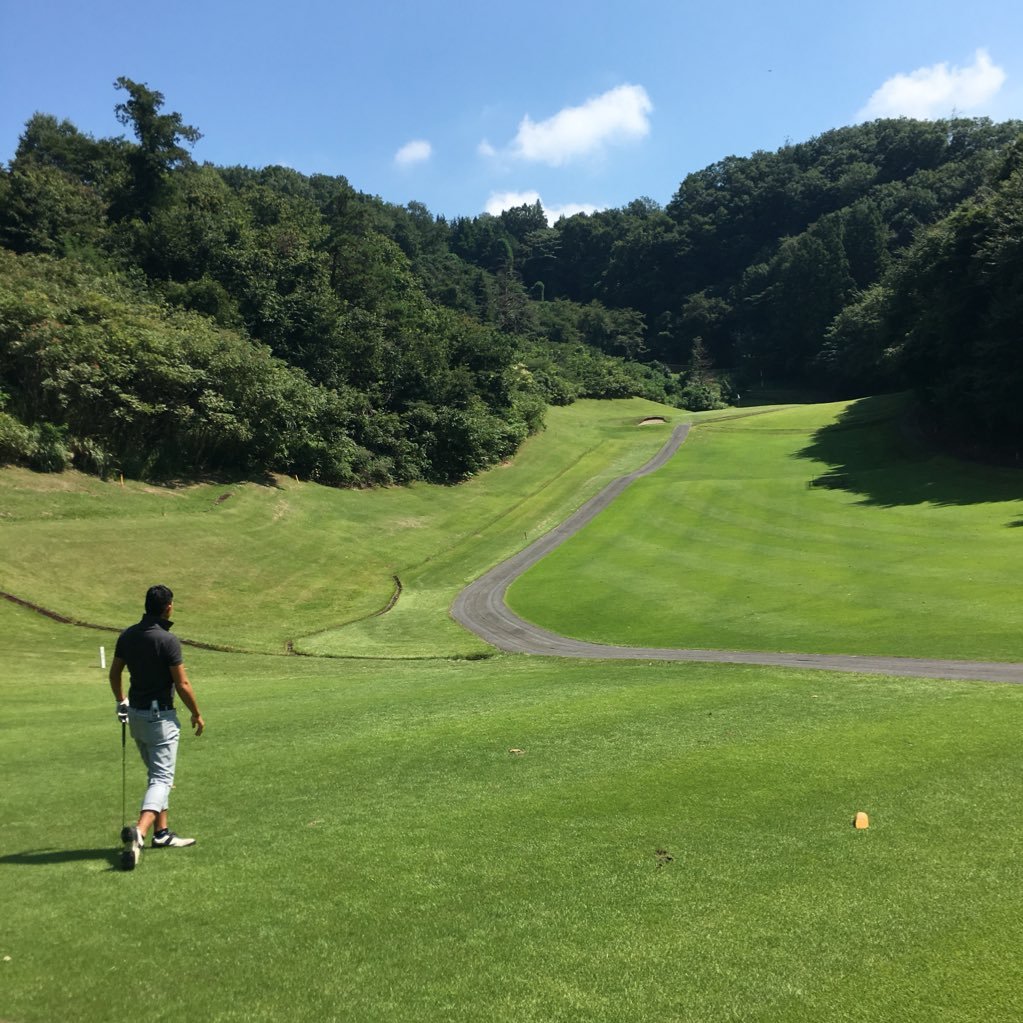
(103, 657)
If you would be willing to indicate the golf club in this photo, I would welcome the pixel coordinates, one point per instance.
(125, 830)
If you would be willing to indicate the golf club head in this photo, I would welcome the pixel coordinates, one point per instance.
(126, 834)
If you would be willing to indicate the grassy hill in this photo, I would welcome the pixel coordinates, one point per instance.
(258, 565)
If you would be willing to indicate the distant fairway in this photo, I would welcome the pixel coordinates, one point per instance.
(894, 551)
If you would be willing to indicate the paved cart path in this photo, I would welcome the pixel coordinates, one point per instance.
(481, 608)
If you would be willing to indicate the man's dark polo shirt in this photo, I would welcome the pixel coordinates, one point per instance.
(150, 651)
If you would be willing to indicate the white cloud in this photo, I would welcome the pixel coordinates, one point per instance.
(417, 151)
(619, 115)
(486, 149)
(501, 201)
(555, 213)
(936, 91)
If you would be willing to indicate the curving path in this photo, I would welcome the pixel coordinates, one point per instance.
(481, 608)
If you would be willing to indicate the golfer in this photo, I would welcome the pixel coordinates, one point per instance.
(153, 658)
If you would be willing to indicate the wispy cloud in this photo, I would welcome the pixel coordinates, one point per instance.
(620, 115)
(936, 91)
(416, 151)
(501, 201)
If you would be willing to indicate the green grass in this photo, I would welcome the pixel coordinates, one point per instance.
(300, 559)
(370, 850)
(902, 553)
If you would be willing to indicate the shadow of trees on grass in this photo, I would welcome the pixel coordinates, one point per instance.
(875, 449)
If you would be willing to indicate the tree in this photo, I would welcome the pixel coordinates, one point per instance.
(702, 390)
(43, 209)
(539, 257)
(159, 149)
(956, 310)
(519, 221)
(615, 331)
(865, 238)
(709, 318)
(61, 146)
(853, 354)
(584, 250)
(791, 301)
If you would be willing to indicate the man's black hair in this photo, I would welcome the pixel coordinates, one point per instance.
(157, 598)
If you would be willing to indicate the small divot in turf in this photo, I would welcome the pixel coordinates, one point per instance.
(515, 752)
(663, 858)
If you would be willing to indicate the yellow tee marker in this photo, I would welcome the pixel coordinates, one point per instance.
(861, 821)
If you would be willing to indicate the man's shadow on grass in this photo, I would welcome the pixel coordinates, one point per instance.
(51, 857)
(876, 449)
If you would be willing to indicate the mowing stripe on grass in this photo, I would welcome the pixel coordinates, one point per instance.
(482, 608)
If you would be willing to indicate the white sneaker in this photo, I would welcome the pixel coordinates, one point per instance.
(171, 841)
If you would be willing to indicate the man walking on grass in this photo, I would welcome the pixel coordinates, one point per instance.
(153, 658)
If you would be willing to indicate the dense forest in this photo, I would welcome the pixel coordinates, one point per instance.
(160, 318)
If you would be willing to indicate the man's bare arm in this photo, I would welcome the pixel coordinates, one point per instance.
(117, 666)
(187, 694)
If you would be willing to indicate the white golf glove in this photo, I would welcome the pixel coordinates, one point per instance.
(122, 712)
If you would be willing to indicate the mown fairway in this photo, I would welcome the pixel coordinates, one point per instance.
(674, 841)
(895, 551)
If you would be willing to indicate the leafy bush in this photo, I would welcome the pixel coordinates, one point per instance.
(43, 446)
(563, 372)
(16, 441)
(701, 396)
(50, 451)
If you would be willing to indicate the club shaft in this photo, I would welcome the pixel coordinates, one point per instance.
(124, 771)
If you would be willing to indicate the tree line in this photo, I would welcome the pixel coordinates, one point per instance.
(160, 317)
(871, 258)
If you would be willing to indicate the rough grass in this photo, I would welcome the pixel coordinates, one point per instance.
(894, 551)
(300, 559)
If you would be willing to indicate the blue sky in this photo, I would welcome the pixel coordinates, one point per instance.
(470, 106)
